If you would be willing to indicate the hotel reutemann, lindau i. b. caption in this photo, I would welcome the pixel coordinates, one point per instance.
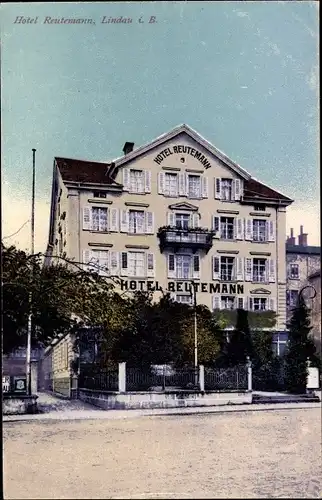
(170, 213)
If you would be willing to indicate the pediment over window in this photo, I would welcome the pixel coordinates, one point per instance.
(183, 206)
(261, 291)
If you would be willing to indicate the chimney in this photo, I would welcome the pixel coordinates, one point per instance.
(128, 147)
(291, 239)
(302, 237)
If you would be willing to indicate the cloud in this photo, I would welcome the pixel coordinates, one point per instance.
(241, 13)
(306, 215)
(313, 78)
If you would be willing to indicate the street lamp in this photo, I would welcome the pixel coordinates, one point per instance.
(300, 296)
(28, 353)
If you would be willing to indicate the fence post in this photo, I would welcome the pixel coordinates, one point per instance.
(202, 378)
(122, 377)
(249, 374)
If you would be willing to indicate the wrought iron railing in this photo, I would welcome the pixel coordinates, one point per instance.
(231, 379)
(106, 380)
(162, 379)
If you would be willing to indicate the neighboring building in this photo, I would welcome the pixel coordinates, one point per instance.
(301, 260)
(56, 369)
(14, 365)
(315, 280)
(171, 212)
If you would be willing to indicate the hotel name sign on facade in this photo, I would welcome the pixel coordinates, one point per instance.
(182, 150)
(182, 286)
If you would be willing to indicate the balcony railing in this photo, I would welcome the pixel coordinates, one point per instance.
(197, 238)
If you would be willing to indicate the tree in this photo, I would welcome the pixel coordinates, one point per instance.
(300, 348)
(240, 343)
(57, 292)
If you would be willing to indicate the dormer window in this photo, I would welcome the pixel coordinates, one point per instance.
(99, 194)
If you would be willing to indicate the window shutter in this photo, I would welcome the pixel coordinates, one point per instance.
(196, 267)
(249, 229)
(239, 228)
(240, 270)
(215, 226)
(204, 187)
(171, 266)
(149, 223)
(103, 263)
(250, 303)
(171, 219)
(147, 179)
(271, 271)
(248, 269)
(114, 263)
(126, 179)
(124, 221)
(87, 217)
(124, 264)
(114, 220)
(272, 304)
(215, 268)
(216, 302)
(161, 178)
(237, 189)
(271, 230)
(150, 265)
(218, 188)
(182, 185)
(240, 303)
(194, 220)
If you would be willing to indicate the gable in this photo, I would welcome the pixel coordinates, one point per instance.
(261, 291)
(183, 206)
(182, 140)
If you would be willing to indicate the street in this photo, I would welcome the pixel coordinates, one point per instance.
(274, 454)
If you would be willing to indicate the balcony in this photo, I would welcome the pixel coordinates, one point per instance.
(176, 238)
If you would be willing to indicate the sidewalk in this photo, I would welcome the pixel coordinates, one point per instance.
(54, 408)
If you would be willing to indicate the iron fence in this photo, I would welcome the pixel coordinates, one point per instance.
(162, 378)
(231, 379)
(106, 380)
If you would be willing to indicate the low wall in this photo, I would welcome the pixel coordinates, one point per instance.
(19, 404)
(137, 400)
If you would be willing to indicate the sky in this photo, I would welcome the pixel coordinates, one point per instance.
(242, 74)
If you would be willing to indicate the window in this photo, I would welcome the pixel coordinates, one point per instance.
(259, 208)
(226, 189)
(183, 266)
(99, 194)
(227, 268)
(259, 230)
(182, 221)
(136, 181)
(184, 299)
(136, 264)
(99, 219)
(171, 184)
(294, 271)
(279, 344)
(292, 297)
(136, 221)
(194, 186)
(259, 270)
(259, 304)
(100, 262)
(228, 302)
(227, 228)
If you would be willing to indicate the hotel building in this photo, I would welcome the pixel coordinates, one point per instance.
(173, 212)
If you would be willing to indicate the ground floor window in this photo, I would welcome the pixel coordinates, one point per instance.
(184, 299)
(279, 344)
(260, 304)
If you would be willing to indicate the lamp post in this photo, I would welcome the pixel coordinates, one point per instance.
(29, 329)
(194, 295)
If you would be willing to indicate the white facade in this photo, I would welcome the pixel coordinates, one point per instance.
(170, 213)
